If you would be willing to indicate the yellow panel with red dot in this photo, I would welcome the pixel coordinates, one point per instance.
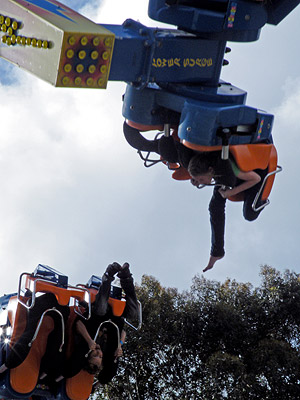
(85, 60)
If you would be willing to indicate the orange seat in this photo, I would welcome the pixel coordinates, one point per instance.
(249, 157)
(198, 147)
(181, 174)
(79, 387)
(272, 167)
(17, 315)
(23, 379)
(143, 127)
(117, 306)
(63, 295)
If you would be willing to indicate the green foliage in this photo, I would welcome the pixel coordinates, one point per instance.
(218, 340)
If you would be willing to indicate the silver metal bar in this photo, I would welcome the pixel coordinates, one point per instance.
(20, 300)
(76, 306)
(40, 323)
(140, 318)
(167, 130)
(33, 291)
(267, 202)
(201, 186)
(99, 329)
(225, 152)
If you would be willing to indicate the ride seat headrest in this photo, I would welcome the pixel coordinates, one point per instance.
(79, 387)
(117, 306)
(249, 157)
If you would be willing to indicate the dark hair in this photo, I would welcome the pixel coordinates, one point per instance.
(222, 169)
(91, 369)
(201, 162)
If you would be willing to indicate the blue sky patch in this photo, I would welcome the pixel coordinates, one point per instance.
(48, 6)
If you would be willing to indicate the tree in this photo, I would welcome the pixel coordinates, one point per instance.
(217, 340)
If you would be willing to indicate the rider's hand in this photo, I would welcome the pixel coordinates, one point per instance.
(225, 193)
(92, 345)
(194, 182)
(119, 352)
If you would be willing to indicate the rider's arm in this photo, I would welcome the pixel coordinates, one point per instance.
(123, 337)
(119, 351)
(250, 179)
(81, 329)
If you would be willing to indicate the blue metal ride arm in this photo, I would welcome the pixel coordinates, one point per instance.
(279, 9)
(234, 20)
(172, 74)
(142, 55)
(180, 79)
(200, 115)
(224, 20)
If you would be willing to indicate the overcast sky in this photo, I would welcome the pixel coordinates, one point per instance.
(75, 195)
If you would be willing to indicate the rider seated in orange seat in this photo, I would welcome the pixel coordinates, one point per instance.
(100, 355)
(52, 359)
(230, 180)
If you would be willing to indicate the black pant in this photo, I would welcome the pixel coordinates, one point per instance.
(217, 214)
(100, 305)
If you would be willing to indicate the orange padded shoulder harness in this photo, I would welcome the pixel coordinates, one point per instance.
(198, 147)
(252, 156)
(272, 167)
(79, 387)
(63, 295)
(144, 128)
(247, 156)
(255, 156)
(17, 315)
(23, 379)
(117, 306)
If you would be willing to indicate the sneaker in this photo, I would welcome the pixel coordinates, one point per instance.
(112, 269)
(124, 271)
